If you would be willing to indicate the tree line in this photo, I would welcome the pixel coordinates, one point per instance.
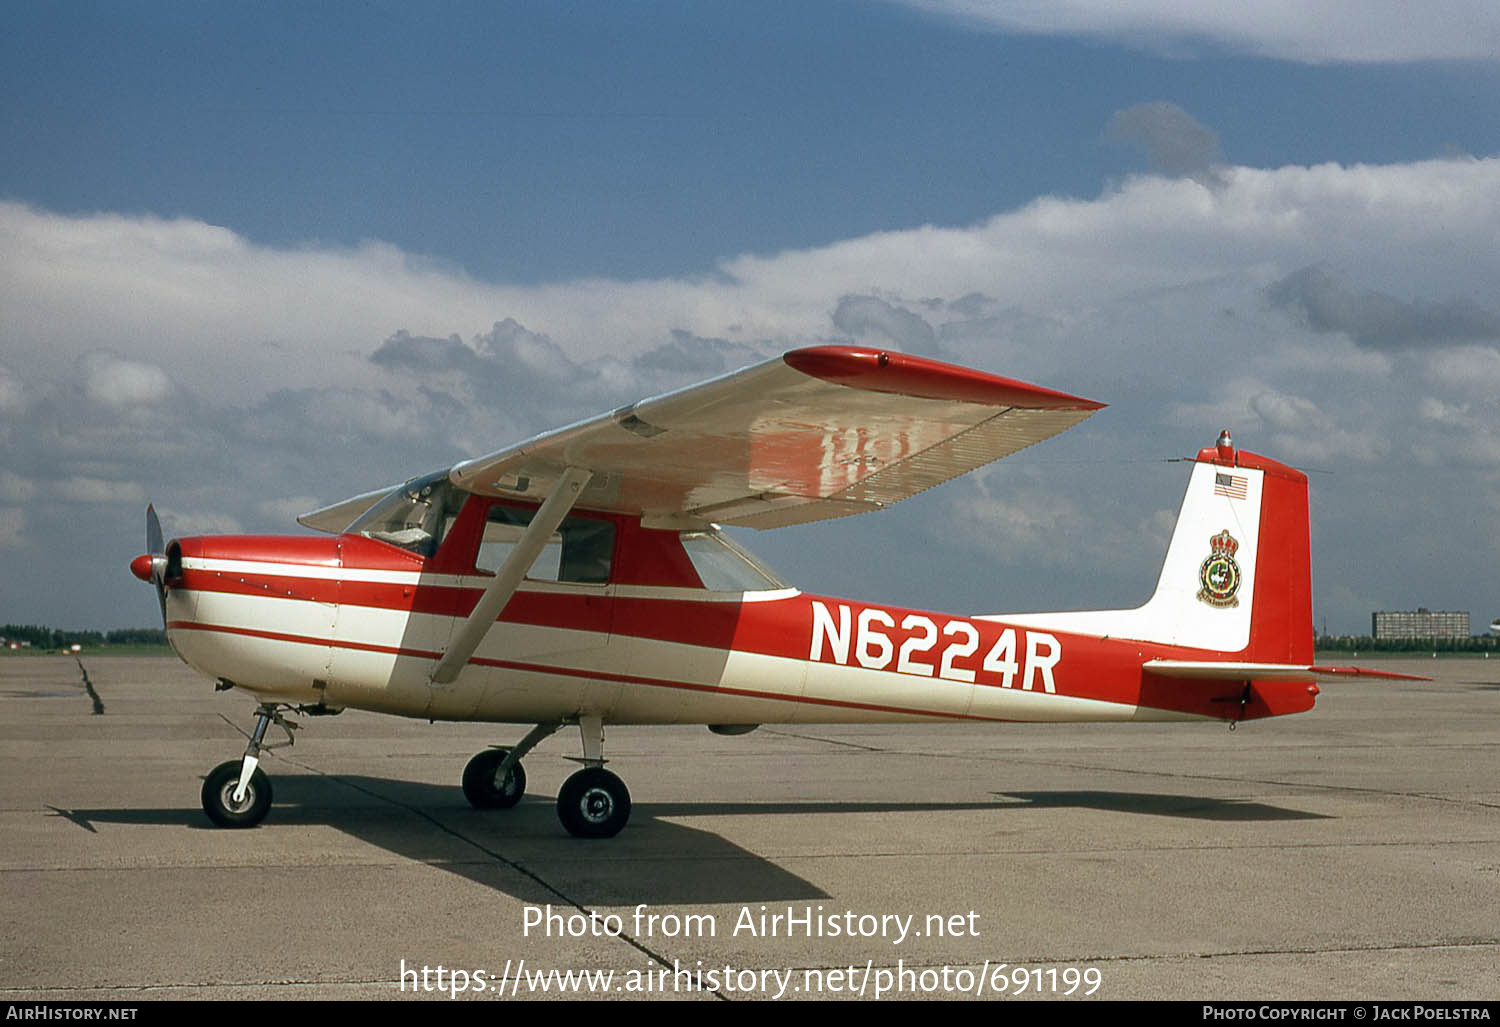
(1365, 643)
(41, 637)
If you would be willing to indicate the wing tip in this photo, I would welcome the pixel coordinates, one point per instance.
(877, 370)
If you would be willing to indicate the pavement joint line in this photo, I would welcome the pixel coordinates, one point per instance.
(1310, 950)
(787, 857)
(518, 867)
(194, 985)
(833, 741)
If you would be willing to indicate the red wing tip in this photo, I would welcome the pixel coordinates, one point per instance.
(902, 374)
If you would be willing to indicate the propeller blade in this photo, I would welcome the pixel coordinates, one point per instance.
(154, 543)
(156, 546)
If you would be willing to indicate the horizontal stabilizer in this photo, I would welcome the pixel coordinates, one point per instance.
(1365, 672)
(1232, 670)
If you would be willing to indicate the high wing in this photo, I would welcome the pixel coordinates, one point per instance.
(821, 432)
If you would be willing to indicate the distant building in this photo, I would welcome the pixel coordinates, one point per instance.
(1420, 623)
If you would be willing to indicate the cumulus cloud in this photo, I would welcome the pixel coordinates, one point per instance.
(121, 383)
(1301, 431)
(1052, 257)
(99, 490)
(871, 319)
(1174, 141)
(12, 527)
(1333, 31)
(1328, 303)
(12, 396)
(1186, 307)
(695, 356)
(16, 489)
(1471, 370)
(1045, 525)
(198, 522)
(286, 509)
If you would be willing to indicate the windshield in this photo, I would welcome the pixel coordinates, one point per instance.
(414, 516)
(726, 567)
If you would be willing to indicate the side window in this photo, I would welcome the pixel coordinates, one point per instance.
(588, 549)
(581, 550)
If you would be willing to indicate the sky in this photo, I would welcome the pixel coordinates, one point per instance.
(255, 259)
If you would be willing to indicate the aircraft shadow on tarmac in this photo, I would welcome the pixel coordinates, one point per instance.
(1191, 806)
(524, 853)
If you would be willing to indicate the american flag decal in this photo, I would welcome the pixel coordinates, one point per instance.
(1231, 485)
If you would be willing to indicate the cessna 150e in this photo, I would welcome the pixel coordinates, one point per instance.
(580, 578)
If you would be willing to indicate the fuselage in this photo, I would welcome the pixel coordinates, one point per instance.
(355, 622)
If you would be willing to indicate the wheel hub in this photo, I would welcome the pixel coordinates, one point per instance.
(226, 797)
(597, 805)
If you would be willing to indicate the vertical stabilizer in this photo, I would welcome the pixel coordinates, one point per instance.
(1237, 576)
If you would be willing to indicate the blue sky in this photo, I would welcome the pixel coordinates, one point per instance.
(233, 241)
(535, 141)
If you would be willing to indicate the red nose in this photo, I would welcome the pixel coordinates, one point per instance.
(141, 566)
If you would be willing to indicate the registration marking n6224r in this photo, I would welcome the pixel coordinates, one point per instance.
(872, 639)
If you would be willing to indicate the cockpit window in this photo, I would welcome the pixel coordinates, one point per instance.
(581, 550)
(724, 566)
(414, 516)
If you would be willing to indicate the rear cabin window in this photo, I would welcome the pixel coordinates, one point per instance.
(581, 550)
(725, 567)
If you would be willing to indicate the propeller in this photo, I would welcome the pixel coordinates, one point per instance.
(152, 565)
(154, 544)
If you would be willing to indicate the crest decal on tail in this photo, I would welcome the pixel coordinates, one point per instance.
(1220, 575)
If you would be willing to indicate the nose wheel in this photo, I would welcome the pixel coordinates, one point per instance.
(220, 788)
(238, 793)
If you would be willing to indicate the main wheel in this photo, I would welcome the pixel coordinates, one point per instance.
(218, 796)
(593, 803)
(481, 788)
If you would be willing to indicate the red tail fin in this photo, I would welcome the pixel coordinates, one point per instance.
(1281, 622)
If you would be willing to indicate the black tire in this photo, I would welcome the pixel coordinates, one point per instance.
(593, 803)
(218, 796)
(480, 787)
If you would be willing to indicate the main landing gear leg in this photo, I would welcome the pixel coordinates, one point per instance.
(238, 793)
(593, 803)
(495, 779)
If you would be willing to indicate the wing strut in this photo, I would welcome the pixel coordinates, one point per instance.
(508, 578)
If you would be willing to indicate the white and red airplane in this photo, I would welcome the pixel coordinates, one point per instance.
(580, 577)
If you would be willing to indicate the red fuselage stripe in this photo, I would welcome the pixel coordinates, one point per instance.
(539, 668)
